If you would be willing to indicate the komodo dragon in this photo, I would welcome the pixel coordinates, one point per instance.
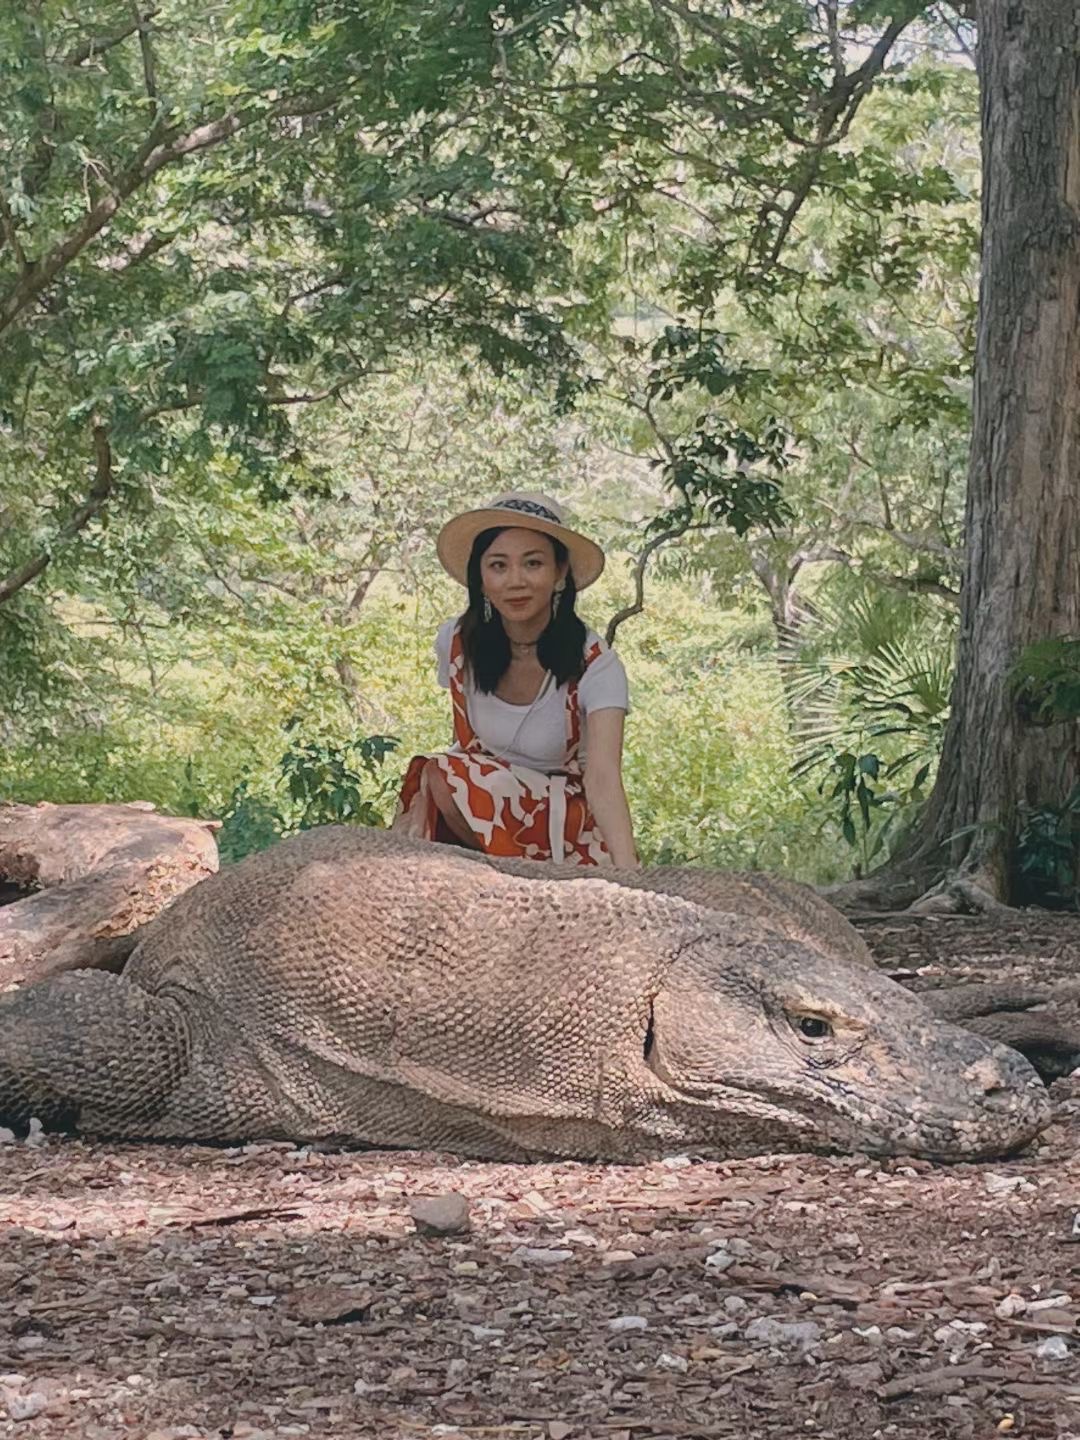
(353, 986)
(799, 913)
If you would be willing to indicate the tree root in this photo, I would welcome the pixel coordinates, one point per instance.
(915, 891)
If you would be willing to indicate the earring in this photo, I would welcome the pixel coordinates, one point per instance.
(487, 611)
(556, 601)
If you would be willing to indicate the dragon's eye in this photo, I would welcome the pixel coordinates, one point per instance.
(812, 1027)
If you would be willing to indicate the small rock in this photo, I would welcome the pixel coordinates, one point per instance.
(559, 1430)
(466, 1267)
(958, 1334)
(718, 1262)
(1006, 1184)
(616, 1257)
(533, 1255)
(628, 1322)
(25, 1407)
(676, 1162)
(35, 1134)
(798, 1334)
(678, 1363)
(1054, 1347)
(486, 1332)
(440, 1214)
(1011, 1305)
(6, 1136)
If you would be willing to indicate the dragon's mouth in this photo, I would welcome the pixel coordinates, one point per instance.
(829, 1118)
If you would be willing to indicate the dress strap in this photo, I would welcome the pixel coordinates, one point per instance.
(464, 733)
(573, 712)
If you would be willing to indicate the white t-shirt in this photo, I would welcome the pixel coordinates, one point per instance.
(535, 736)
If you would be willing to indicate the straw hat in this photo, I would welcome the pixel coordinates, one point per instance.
(524, 509)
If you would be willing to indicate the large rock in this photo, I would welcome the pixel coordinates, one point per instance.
(93, 874)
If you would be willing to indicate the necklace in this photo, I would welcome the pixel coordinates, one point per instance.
(522, 647)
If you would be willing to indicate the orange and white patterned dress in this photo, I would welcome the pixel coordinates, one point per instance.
(511, 809)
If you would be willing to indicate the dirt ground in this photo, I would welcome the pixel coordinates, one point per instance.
(168, 1292)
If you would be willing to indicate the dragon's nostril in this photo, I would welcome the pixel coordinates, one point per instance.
(987, 1075)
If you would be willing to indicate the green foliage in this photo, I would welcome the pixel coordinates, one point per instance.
(1046, 680)
(321, 783)
(869, 719)
(671, 264)
(1048, 854)
(712, 466)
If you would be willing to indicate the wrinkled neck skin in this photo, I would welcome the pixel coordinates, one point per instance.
(736, 1074)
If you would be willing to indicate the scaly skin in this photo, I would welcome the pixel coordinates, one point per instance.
(354, 986)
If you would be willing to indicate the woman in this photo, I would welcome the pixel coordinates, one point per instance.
(538, 701)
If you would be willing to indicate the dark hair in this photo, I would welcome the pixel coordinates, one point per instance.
(560, 649)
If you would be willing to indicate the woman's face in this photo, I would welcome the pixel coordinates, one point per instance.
(519, 574)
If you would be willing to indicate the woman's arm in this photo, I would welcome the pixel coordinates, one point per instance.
(604, 787)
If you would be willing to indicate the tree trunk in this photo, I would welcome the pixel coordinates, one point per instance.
(1022, 573)
(78, 878)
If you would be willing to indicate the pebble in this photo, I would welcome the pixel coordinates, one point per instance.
(719, 1261)
(800, 1334)
(6, 1136)
(533, 1255)
(678, 1363)
(486, 1332)
(1007, 1184)
(628, 1322)
(1054, 1347)
(1011, 1305)
(440, 1214)
(25, 1407)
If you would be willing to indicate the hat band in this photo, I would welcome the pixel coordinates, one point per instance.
(528, 507)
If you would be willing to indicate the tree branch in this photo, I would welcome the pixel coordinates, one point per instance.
(98, 44)
(95, 500)
(10, 233)
(833, 125)
(639, 575)
(152, 157)
(142, 25)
